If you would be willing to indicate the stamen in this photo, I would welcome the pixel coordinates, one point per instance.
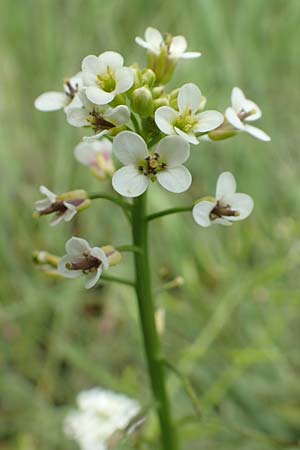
(87, 263)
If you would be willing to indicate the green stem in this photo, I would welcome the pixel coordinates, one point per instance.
(117, 280)
(147, 318)
(110, 198)
(128, 248)
(167, 212)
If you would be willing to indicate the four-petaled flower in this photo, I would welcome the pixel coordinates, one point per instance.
(53, 101)
(244, 110)
(64, 206)
(81, 259)
(97, 155)
(105, 77)
(142, 166)
(226, 207)
(175, 46)
(187, 122)
(102, 119)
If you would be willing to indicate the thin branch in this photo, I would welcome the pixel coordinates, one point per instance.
(117, 280)
(167, 212)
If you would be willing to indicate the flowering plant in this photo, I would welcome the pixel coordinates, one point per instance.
(151, 132)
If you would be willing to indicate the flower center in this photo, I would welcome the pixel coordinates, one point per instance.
(223, 211)
(107, 81)
(98, 123)
(151, 165)
(245, 114)
(185, 122)
(87, 263)
(59, 207)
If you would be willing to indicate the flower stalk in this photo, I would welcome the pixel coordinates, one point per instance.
(147, 319)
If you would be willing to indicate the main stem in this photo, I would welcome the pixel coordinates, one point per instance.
(147, 318)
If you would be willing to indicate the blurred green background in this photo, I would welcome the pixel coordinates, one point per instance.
(233, 328)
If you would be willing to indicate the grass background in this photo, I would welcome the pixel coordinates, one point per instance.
(233, 328)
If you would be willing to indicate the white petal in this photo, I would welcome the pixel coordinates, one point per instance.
(91, 64)
(100, 254)
(190, 55)
(257, 133)
(111, 60)
(70, 213)
(175, 179)
(66, 272)
(201, 212)
(92, 278)
(128, 181)
(222, 221)
(118, 116)
(189, 98)
(76, 246)
(143, 43)
(40, 205)
(58, 218)
(189, 137)
(96, 136)
(85, 152)
(77, 117)
(242, 203)
(233, 118)
(178, 46)
(129, 148)
(165, 117)
(98, 96)
(76, 81)
(124, 80)
(74, 103)
(51, 101)
(237, 99)
(226, 185)
(251, 106)
(173, 150)
(154, 38)
(208, 120)
(49, 194)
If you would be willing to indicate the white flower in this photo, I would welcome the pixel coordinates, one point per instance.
(100, 414)
(142, 166)
(64, 206)
(97, 155)
(187, 122)
(53, 101)
(154, 42)
(244, 110)
(102, 119)
(105, 77)
(82, 259)
(226, 207)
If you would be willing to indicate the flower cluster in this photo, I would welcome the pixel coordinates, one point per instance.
(149, 131)
(100, 414)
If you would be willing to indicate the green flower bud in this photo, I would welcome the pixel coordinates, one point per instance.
(148, 77)
(142, 102)
(157, 91)
(162, 101)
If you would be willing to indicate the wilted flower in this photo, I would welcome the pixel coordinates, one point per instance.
(187, 122)
(226, 207)
(244, 110)
(101, 413)
(175, 46)
(64, 206)
(105, 77)
(97, 155)
(102, 119)
(142, 166)
(53, 101)
(81, 259)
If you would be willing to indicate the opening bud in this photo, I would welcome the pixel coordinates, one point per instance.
(114, 257)
(142, 102)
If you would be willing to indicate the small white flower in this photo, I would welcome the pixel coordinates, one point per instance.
(64, 206)
(82, 259)
(97, 155)
(100, 414)
(105, 77)
(244, 110)
(142, 166)
(187, 122)
(53, 101)
(154, 42)
(102, 119)
(226, 207)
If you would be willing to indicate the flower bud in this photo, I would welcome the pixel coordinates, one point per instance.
(224, 131)
(141, 102)
(148, 77)
(114, 257)
(157, 91)
(162, 101)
